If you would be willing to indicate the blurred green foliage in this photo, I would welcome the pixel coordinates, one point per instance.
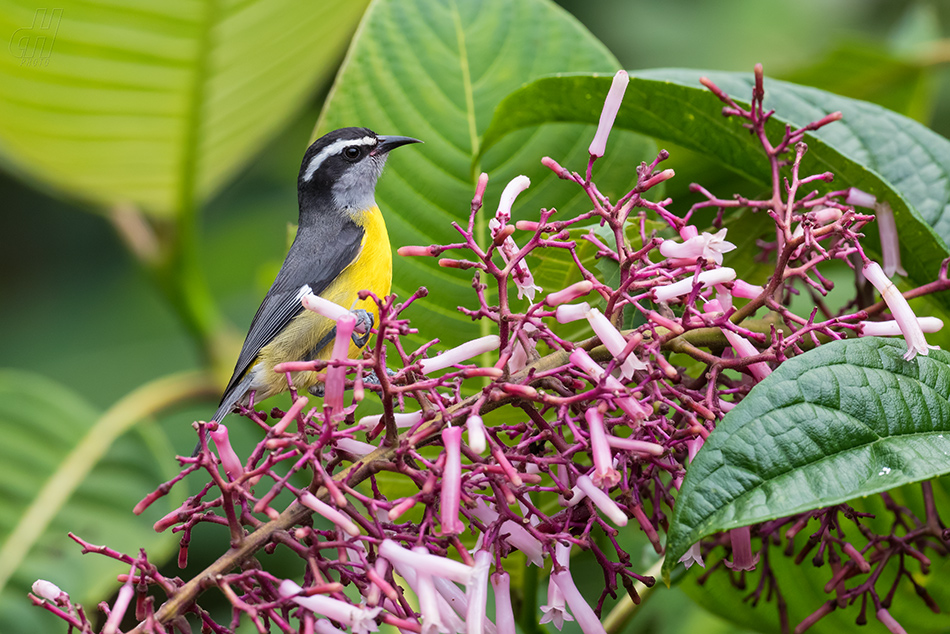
(198, 119)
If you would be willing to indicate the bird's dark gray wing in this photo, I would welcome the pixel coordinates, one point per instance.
(318, 255)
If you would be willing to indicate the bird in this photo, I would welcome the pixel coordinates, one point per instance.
(341, 247)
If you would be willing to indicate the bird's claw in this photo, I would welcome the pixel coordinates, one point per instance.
(371, 378)
(365, 318)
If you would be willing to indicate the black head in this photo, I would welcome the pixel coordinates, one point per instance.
(342, 167)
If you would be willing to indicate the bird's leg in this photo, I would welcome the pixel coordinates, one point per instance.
(371, 378)
(365, 318)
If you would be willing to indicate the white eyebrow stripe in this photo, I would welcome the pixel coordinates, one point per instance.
(334, 148)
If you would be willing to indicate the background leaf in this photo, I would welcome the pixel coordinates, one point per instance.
(157, 103)
(848, 419)
(54, 479)
(435, 70)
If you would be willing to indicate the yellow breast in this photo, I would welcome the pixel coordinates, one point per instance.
(372, 270)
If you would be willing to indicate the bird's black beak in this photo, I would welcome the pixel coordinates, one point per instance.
(387, 143)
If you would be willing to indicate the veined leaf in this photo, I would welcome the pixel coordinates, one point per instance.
(846, 420)
(876, 150)
(436, 70)
(159, 102)
(64, 467)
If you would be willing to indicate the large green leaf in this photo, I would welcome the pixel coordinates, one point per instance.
(802, 586)
(64, 467)
(876, 150)
(845, 420)
(435, 70)
(157, 103)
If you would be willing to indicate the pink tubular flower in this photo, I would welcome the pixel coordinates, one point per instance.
(708, 246)
(744, 348)
(630, 405)
(636, 446)
(893, 329)
(504, 614)
(571, 312)
(435, 565)
(604, 473)
(742, 558)
(336, 375)
(601, 500)
(614, 342)
(342, 522)
(705, 280)
(461, 353)
(609, 114)
(477, 593)
(586, 619)
(889, 621)
(858, 198)
(354, 447)
(476, 433)
(450, 494)
(900, 309)
(407, 419)
(321, 306)
(693, 556)
(126, 592)
(746, 290)
(890, 245)
(513, 533)
(229, 459)
(360, 619)
(569, 294)
(46, 590)
(409, 251)
(520, 273)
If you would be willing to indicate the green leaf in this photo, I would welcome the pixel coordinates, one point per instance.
(436, 70)
(846, 420)
(802, 586)
(876, 150)
(157, 103)
(868, 73)
(64, 467)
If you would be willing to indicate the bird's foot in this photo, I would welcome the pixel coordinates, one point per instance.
(371, 378)
(317, 389)
(364, 318)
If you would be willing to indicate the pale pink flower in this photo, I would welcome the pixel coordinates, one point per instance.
(354, 447)
(336, 375)
(402, 420)
(47, 590)
(709, 246)
(461, 353)
(508, 249)
(360, 619)
(601, 500)
(693, 556)
(516, 535)
(121, 605)
(892, 328)
(636, 446)
(630, 405)
(433, 564)
(889, 621)
(451, 490)
(609, 113)
(476, 433)
(229, 459)
(322, 306)
(744, 348)
(604, 473)
(742, 558)
(477, 593)
(704, 279)
(339, 518)
(569, 294)
(858, 198)
(890, 245)
(900, 309)
(586, 619)
(614, 341)
(555, 611)
(504, 614)
(571, 312)
(746, 290)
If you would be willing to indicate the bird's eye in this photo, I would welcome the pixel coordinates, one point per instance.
(351, 153)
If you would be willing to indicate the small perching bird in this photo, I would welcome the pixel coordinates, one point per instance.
(341, 248)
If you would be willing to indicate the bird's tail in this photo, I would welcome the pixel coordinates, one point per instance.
(228, 401)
